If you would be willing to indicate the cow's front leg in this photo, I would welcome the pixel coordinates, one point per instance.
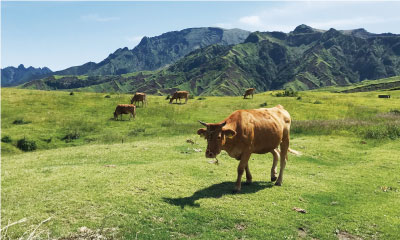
(244, 159)
(274, 164)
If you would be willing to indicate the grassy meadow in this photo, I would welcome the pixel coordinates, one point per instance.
(143, 179)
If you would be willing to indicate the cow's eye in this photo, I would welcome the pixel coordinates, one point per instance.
(219, 137)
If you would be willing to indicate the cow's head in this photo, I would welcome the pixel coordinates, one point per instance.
(115, 115)
(133, 98)
(216, 135)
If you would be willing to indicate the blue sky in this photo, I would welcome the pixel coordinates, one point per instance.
(63, 34)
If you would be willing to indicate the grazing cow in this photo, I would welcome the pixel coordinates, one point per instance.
(125, 109)
(383, 96)
(139, 97)
(250, 131)
(178, 95)
(249, 92)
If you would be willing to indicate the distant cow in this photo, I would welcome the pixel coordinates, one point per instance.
(178, 95)
(250, 131)
(125, 109)
(249, 92)
(383, 96)
(139, 97)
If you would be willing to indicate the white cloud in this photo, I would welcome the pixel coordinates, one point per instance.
(285, 16)
(349, 22)
(97, 18)
(251, 20)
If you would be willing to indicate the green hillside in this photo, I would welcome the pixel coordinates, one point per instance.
(92, 175)
(386, 84)
(303, 59)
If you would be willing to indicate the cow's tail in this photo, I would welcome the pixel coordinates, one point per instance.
(297, 153)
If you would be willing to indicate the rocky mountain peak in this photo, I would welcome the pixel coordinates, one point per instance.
(303, 29)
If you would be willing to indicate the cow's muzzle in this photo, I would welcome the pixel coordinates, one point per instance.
(210, 154)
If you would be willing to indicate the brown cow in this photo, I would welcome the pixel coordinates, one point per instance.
(125, 109)
(139, 97)
(249, 92)
(250, 131)
(178, 95)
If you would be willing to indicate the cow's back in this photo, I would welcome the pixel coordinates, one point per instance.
(258, 130)
(139, 97)
(125, 109)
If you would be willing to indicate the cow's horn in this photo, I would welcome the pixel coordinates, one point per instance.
(203, 123)
(223, 124)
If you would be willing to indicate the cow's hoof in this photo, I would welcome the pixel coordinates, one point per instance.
(235, 191)
(278, 184)
(249, 182)
(273, 179)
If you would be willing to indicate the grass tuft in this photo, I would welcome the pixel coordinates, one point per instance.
(264, 104)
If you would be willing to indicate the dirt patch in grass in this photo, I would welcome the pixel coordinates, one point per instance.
(87, 233)
(240, 226)
(342, 235)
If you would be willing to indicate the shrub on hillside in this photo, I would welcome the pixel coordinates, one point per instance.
(395, 111)
(382, 132)
(201, 98)
(287, 93)
(318, 102)
(107, 96)
(71, 93)
(20, 121)
(26, 145)
(71, 136)
(6, 139)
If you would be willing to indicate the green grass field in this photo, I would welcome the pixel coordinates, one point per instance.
(141, 179)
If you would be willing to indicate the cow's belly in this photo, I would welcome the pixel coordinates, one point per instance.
(234, 153)
(262, 151)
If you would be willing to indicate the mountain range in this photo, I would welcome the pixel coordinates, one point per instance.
(157, 52)
(151, 53)
(12, 76)
(305, 58)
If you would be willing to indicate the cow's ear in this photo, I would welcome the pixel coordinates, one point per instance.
(202, 132)
(229, 133)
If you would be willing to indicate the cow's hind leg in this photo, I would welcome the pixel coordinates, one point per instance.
(284, 149)
(244, 159)
(249, 178)
(274, 164)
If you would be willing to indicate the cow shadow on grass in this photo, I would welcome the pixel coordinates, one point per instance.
(121, 120)
(217, 191)
(179, 103)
